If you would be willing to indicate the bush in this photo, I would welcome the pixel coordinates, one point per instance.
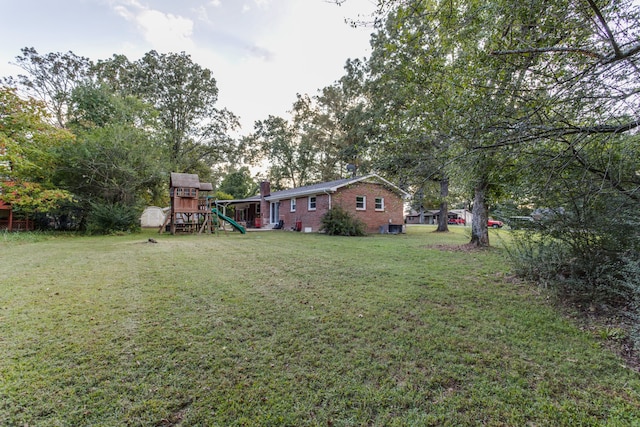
(590, 257)
(107, 218)
(338, 222)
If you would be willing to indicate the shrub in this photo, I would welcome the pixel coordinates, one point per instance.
(107, 218)
(589, 256)
(338, 222)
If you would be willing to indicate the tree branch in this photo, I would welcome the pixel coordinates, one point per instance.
(603, 22)
(550, 49)
(562, 131)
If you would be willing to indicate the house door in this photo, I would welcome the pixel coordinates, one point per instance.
(275, 212)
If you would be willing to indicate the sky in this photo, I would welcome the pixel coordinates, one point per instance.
(261, 52)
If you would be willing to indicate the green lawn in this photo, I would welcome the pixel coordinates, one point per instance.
(284, 328)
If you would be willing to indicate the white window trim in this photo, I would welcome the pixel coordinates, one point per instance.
(375, 203)
(292, 204)
(364, 203)
(315, 202)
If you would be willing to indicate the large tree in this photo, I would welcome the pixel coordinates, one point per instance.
(28, 145)
(197, 134)
(281, 144)
(326, 133)
(118, 157)
(51, 78)
(239, 183)
(478, 79)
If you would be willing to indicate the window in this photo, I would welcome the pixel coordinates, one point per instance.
(293, 205)
(312, 203)
(186, 192)
(379, 203)
(361, 203)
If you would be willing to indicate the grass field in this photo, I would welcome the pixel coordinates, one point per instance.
(291, 329)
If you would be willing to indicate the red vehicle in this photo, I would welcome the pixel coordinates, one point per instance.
(493, 223)
(460, 221)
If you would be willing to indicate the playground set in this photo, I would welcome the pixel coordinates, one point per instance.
(193, 209)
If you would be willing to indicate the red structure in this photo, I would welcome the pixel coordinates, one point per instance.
(9, 221)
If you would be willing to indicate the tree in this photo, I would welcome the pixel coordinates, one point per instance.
(27, 147)
(326, 133)
(117, 164)
(437, 85)
(97, 105)
(117, 157)
(239, 184)
(196, 133)
(289, 155)
(51, 79)
(414, 98)
(335, 124)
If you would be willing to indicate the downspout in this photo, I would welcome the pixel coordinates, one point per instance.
(328, 194)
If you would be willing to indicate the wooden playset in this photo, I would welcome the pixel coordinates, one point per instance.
(193, 209)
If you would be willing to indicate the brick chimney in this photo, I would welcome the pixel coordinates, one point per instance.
(265, 189)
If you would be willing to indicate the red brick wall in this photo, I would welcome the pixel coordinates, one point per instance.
(346, 198)
(308, 218)
(393, 212)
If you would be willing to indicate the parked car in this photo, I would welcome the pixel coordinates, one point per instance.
(494, 223)
(459, 221)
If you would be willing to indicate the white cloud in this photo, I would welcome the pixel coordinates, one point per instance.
(165, 32)
(309, 47)
(260, 56)
(202, 14)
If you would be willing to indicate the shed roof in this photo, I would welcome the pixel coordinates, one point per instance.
(188, 180)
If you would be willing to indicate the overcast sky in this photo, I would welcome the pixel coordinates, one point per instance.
(261, 52)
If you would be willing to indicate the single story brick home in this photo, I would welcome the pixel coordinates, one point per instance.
(378, 203)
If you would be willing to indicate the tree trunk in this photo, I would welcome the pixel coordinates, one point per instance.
(444, 207)
(479, 229)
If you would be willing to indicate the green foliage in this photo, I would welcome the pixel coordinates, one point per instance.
(588, 254)
(289, 155)
(117, 163)
(327, 132)
(28, 146)
(51, 78)
(239, 184)
(29, 197)
(109, 218)
(195, 133)
(97, 105)
(338, 222)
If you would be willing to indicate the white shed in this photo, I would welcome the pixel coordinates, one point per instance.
(153, 216)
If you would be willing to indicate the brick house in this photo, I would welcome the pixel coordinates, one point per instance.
(375, 201)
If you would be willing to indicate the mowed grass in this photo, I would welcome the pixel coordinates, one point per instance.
(291, 329)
